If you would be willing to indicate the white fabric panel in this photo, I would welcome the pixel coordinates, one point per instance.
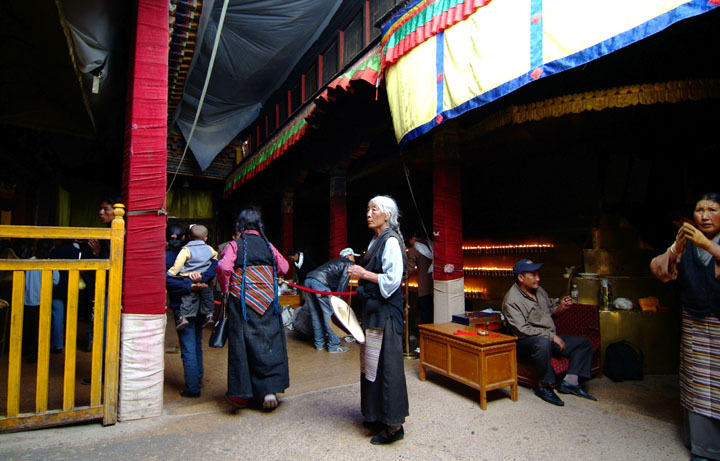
(449, 299)
(142, 366)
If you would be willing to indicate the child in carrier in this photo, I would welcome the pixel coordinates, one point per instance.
(195, 256)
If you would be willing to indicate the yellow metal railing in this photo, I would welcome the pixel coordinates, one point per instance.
(103, 392)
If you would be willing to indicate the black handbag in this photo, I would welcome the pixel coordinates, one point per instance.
(218, 337)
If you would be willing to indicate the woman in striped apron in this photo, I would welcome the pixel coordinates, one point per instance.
(383, 391)
(693, 260)
(257, 352)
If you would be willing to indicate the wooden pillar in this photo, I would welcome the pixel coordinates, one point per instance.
(447, 225)
(144, 182)
(338, 212)
(286, 212)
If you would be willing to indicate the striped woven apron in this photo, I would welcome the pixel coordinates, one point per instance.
(700, 365)
(259, 287)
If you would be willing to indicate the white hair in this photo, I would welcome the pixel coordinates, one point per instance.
(388, 206)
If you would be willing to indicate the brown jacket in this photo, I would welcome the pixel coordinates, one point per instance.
(418, 262)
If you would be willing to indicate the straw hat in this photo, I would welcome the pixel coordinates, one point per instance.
(346, 316)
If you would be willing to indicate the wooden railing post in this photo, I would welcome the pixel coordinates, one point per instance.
(113, 314)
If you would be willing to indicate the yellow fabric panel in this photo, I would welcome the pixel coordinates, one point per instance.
(187, 203)
(412, 88)
(489, 48)
(573, 25)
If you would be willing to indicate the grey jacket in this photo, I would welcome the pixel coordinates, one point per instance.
(333, 274)
(528, 317)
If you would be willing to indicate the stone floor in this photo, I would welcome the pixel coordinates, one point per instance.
(319, 418)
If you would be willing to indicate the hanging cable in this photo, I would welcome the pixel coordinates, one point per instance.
(412, 195)
(202, 95)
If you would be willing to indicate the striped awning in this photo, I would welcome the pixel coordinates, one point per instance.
(366, 69)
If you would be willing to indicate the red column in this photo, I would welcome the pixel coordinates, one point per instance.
(449, 291)
(144, 164)
(287, 222)
(338, 213)
(447, 207)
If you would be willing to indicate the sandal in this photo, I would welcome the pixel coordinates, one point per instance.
(270, 402)
(238, 402)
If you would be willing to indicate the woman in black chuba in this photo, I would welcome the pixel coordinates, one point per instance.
(383, 392)
(257, 351)
(693, 261)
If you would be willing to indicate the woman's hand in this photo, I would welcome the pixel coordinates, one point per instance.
(678, 246)
(689, 232)
(356, 271)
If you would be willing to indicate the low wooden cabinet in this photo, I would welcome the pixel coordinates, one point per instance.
(481, 362)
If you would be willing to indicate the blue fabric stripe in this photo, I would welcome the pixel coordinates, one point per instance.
(688, 10)
(439, 70)
(536, 35)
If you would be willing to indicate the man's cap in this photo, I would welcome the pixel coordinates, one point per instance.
(525, 265)
(347, 252)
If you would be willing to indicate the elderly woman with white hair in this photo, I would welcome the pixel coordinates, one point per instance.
(383, 392)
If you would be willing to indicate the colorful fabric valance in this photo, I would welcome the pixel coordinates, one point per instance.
(504, 45)
(367, 69)
(418, 21)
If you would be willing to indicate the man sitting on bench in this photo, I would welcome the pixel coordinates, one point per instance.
(529, 313)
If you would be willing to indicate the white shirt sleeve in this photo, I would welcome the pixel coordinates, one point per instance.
(392, 266)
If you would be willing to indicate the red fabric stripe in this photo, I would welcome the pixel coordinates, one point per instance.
(144, 163)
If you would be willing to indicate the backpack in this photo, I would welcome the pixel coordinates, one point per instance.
(623, 361)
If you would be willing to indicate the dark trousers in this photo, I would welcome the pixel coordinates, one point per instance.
(540, 351)
(386, 399)
(425, 309)
(257, 352)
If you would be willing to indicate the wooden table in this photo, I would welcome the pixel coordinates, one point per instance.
(481, 362)
(290, 300)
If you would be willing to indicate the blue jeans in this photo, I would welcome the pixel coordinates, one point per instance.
(57, 324)
(320, 313)
(91, 325)
(191, 351)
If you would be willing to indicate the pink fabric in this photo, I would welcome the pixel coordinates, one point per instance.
(661, 267)
(226, 266)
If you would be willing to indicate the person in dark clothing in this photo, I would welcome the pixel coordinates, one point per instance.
(693, 262)
(99, 249)
(529, 312)
(191, 336)
(303, 264)
(383, 390)
(68, 249)
(257, 350)
(331, 276)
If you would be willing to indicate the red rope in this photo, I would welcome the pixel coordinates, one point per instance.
(327, 293)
